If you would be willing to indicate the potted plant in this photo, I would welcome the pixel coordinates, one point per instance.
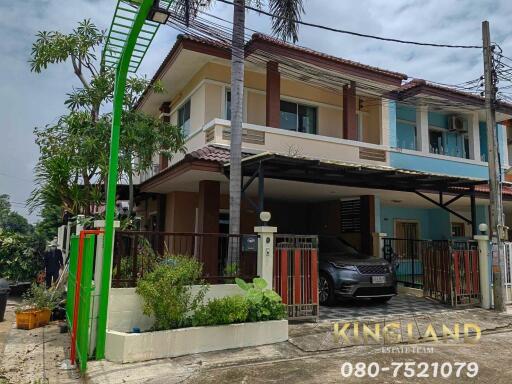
(36, 307)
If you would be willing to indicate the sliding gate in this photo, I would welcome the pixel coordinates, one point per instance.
(296, 275)
(445, 270)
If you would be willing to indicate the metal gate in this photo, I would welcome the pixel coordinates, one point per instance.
(508, 272)
(296, 275)
(78, 304)
(451, 273)
(447, 271)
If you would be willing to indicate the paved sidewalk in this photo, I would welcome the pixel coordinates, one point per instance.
(33, 356)
(311, 355)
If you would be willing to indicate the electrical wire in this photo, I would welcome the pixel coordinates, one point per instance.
(472, 86)
(331, 29)
(207, 29)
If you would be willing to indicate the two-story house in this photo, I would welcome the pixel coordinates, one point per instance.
(329, 146)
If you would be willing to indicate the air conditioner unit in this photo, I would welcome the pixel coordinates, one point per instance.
(456, 124)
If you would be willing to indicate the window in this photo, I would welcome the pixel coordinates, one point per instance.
(228, 105)
(436, 141)
(458, 230)
(406, 135)
(449, 143)
(298, 117)
(184, 118)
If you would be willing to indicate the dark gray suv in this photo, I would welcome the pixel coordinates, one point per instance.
(344, 272)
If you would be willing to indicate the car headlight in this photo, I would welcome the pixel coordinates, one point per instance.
(343, 266)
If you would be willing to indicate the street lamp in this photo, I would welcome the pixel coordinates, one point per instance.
(158, 14)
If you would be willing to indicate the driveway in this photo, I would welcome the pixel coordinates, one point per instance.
(402, 304)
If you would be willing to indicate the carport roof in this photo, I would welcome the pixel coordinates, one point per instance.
(304, 169)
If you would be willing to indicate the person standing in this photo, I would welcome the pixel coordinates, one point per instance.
(53, 262)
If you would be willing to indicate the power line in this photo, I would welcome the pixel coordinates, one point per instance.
(212, 31)
(305, 23)
(472, 86)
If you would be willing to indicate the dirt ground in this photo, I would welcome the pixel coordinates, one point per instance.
(312, 355)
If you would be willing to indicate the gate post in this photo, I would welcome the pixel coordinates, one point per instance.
(483, 263)
(265, 263)
(378, 244)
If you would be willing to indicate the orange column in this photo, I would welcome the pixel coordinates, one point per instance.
(208, 222)
(273, 116)
(349, 112)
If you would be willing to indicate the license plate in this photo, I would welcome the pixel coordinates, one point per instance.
(378, 279)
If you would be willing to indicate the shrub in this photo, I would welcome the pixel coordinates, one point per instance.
(167, 293)
(225, 310)
(20, 256)
(264, 304)
(38, 297)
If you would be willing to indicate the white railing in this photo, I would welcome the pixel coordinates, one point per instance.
(150, 172)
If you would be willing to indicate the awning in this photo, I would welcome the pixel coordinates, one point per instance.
(303, 169)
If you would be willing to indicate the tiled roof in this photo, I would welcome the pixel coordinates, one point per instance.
(505, 189)
(420, 83)
(273, 40)
(212, 153)
(261, 37)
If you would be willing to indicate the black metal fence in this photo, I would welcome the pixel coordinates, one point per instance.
(224, 256)
(408, 256)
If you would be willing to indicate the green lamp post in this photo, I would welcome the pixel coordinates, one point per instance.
(134, 25)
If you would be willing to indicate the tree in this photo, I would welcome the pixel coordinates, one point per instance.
(51, 220)
(284, 25)
(12, 221)
(21, 247)
(73, 164)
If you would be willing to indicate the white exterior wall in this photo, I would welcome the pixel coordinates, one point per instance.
(125, 306)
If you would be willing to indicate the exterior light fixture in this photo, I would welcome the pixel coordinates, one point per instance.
(158, 14)
(265, 216)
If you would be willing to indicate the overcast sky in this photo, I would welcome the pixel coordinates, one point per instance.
(30, 100)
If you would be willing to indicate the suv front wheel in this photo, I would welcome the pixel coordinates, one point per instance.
(325, 290)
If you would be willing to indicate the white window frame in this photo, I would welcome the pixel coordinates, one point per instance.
(297, 102)
(182, 106)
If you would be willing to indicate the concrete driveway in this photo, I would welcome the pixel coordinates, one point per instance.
(401, 304)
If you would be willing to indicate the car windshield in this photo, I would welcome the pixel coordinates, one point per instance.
(335, 245)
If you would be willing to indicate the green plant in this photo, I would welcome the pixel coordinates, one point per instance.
(225, 310)
(231, 269)
(264, 303)
(38, 297)
(167, 292)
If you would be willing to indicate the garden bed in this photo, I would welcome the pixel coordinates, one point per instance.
(124, 347)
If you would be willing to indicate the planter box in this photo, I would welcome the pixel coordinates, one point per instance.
(33, 318)
(124, 347)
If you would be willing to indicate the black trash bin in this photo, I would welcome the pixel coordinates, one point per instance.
(4, 292)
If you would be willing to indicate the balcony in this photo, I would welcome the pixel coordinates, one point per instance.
(256, 138)
(150, 172)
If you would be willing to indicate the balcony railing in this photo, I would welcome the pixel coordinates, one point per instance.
(290, 143)
(150, 172)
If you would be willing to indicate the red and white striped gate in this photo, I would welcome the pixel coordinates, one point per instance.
(296, 274)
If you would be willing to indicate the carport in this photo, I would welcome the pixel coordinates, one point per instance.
(263, 172)
(434, 190)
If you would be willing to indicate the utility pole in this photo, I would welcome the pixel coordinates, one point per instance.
(495, 198)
